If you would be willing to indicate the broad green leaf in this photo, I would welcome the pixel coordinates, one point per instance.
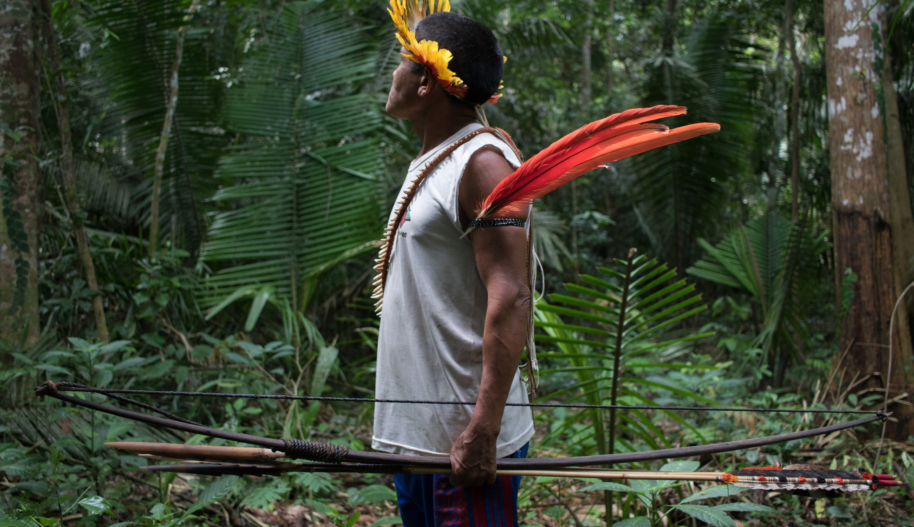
(10, 522)
(325, 362)
(80, 344)
(837, 512)
(53, 369)
(114, 346)
(95, 505)
(608, 485)
(680, 466)
(709, 515)
(714, 492)
(260, 300)
(387, 520)
(743, 507)
(129, 363)
(214, 492)
(374, 494)
(235, 295)
(103, 378)
(23, 358)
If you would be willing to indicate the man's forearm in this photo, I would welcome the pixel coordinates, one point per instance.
(502, 346)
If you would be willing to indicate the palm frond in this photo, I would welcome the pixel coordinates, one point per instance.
(680, 191)
(301, 191)
(775, 261)
(624, 317)
(134, 66)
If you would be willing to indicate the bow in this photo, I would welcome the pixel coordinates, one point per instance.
(338, 454)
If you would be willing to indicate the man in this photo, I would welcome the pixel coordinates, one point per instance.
(456, 308)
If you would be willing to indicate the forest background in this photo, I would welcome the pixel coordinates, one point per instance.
(192, 193)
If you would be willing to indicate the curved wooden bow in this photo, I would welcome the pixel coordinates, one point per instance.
(343, 454)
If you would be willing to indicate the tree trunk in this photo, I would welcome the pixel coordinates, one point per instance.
(794, 116)
(780, 116)
(899, 198)
(586, 89)
(19, 177)
(66, 172)
(900, 206)
(669, 35)
(611, 40)
(860, 201)
(170, 106)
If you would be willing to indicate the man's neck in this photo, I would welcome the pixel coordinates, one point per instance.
(437, 126)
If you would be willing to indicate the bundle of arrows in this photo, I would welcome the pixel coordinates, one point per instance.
(220, 460)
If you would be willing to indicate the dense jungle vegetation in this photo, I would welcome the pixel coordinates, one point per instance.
(192, 193)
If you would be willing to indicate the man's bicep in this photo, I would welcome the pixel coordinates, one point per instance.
(501, 259)
(486, 169)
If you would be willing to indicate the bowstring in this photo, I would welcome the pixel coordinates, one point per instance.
(76, 387)
(888, 378)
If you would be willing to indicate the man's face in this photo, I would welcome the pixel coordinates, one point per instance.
(404, 90)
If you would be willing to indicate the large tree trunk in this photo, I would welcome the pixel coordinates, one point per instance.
(611, 40)
(586, 88)
(170, 107)
(19, 178)
(66, 172)
(669, 36)
(900, 206)
(899, 197)
(860, 200)
(794, 116)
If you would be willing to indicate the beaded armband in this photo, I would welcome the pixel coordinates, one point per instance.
(497, 222)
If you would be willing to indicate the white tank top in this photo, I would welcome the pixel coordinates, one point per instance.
(430, 341)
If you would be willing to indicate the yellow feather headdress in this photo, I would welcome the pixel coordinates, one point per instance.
(406, 15)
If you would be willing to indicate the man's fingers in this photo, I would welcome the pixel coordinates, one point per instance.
(471, 478)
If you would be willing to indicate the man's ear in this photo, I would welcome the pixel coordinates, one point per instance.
(426, 83)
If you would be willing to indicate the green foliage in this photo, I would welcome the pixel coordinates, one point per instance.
(776, 261)
(136, 63)
(627, 311)
(280, 167)
(681, 189)
(310, 166)
(648, 491)
(373, 494)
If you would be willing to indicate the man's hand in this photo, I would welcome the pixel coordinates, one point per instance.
(473, 458)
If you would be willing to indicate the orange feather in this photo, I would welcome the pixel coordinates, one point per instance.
(590, 147)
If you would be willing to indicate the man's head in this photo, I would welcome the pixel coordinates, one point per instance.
(477, 60)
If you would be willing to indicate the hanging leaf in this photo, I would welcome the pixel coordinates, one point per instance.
(325, 362)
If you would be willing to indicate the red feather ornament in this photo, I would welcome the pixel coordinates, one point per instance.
(592, 146)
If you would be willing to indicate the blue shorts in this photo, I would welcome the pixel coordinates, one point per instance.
(429, 500)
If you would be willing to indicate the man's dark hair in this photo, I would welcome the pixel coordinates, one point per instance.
(478, 59)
